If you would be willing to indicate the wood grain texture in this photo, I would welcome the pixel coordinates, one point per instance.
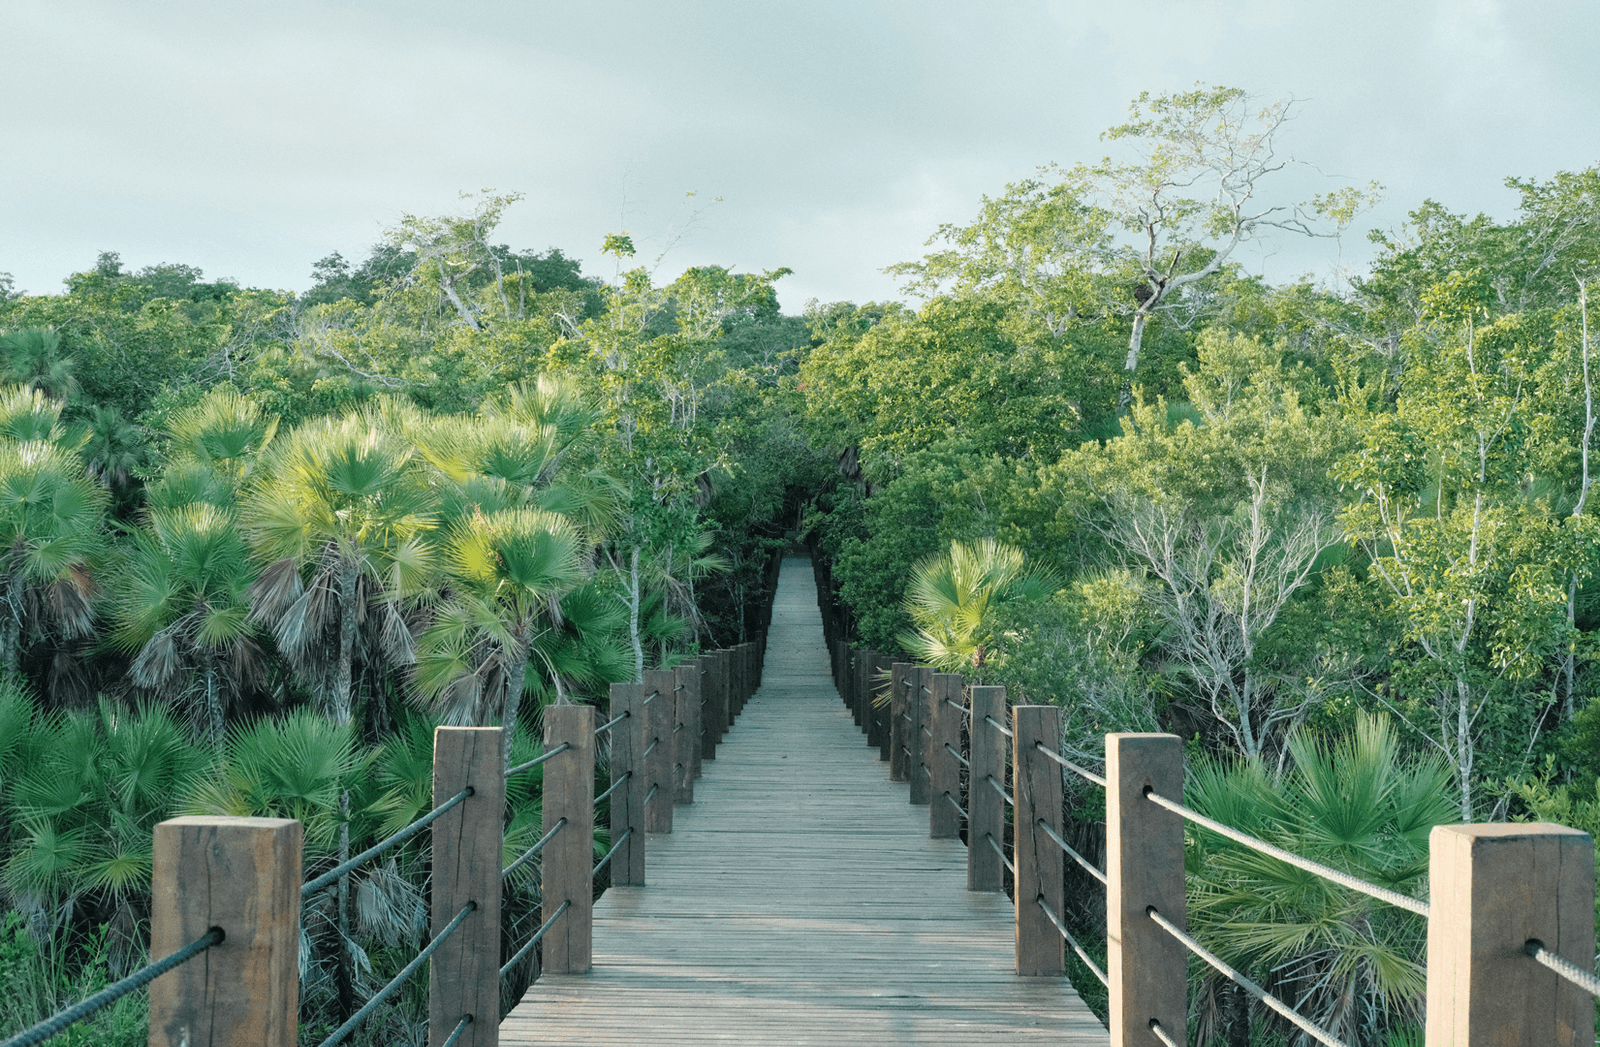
(567, 862)
(687, 738)
(900, 676)
(986, 810)
(659, 715)
(1037, 781)
(799, 901)
(243, 875)
(467, 852)
(920, 687)
(627, 803)
(944, 821)
(1145, 965)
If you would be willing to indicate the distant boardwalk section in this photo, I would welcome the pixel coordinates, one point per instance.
(799, 900)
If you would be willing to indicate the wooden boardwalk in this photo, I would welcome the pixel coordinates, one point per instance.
(799, 900)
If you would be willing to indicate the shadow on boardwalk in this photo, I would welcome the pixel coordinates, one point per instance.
(800, 901)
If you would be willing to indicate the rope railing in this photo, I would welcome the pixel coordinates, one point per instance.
(537, 935)
(614, 786)
(603, 862)
(957, 706)
(959, 758)
(1160, 1033)
(1304, 1024)
(997, 787)
(1583, 979)
(997, 725)
(316, 884)
(338, 1035)
(1069, 765)
(60, 1022)
(1344, 879)
(527, 855)
(603, 728)
(956, 804)
(1001, 851)
(456, 1033)
(1088, 866)
(1083, 955)
(537, 760)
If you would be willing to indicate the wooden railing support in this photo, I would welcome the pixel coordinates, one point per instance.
(686, 732)
(242, 875)
(917, 693)
(944, 821)
(716, 684)
(628, 741)
(899, 731)
(1036, 784)
(467, 851)
(1492, 889)
(1144, 870)
(567, 864)
(986, 810)
(660, 712)
(878, 705)
(861, 666)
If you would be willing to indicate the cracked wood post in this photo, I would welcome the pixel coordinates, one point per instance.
(917, 691)
(1492, 889)
(628, 741)
(1145, 965)
(986, 810)
(899, 730)
(464, 974)
(686, 735)
(660, 710)
(242, 875)
(944, 821)
(1036, 785)
(567, 862)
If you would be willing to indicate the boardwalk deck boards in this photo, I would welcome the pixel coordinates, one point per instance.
(800, 901)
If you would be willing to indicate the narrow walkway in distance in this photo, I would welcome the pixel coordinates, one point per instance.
(800, 901)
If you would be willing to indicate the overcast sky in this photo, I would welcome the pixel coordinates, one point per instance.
(251, 139)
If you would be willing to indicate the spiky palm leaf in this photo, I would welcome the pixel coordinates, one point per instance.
(951, 598)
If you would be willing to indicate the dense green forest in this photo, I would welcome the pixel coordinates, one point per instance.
(256, 544)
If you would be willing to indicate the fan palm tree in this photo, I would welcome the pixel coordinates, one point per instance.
(51, 517)
(509, 569)
(952, 598)
(1350, 963)
(343, 523)
(182, 603)
(33, 357)
(115, 449)
(225, 432)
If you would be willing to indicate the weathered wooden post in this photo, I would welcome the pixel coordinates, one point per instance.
(660, 710)
(628, 741)
(716, 700)
(242, 875)
(467, 850)
(1036, 785)
(1145, 965)
(567, 862)
(986, 809)
(861, 693)
(944, 820)
(687, 738)
(879, 704)
(918, 691)
(899, 729)
(1492, 890)
(708, 733)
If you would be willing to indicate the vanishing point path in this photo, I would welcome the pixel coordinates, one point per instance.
(799, 900)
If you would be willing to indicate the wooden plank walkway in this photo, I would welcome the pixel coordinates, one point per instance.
(799, 900)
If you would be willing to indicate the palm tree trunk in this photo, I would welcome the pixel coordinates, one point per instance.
(338, 702)
(213, 703)
(515, 670)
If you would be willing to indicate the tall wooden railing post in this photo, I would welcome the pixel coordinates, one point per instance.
(986, 809)
(944, 821)
(899, 730)
(628, 741)
(467, 851)
(242, 875)
(1492, 889)
(1146, 966)
(878, 704)
(716, 684)
(917, 706)
(1036, 785)
(567, 863)
(660, 711)
(861, 667)
(687, 738)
